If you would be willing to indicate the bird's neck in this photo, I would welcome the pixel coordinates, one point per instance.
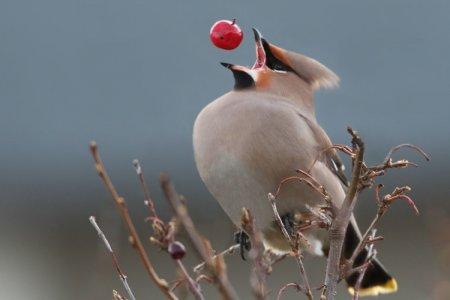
(302, 100)
(293, 90)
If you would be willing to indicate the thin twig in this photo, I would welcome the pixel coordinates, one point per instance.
(176, 284)
(288, 285)
(414, 147)
(319, 189)
(203, 277)
(148, 199)
(214, 265)
(279, 258)
(117, 296)
(365, 238)
(227, 251)
(194, 287)
(371, 173)
(383, 205)
(294, 247)
(260, 267)
(122, 276)
(371, 253)
(134, 237)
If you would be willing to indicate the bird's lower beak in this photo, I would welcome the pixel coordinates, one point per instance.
(260, 53)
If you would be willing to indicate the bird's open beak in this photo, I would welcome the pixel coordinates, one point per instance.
(260, 52)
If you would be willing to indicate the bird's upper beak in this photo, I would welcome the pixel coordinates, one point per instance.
(260, 52)
(246, 77)
(260, 61)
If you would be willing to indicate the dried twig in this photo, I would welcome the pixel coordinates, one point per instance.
(365, 238)
(414, 147)
(294, 246)
(288, 285)
(134, 237)
(311, 183)
(122, 276)
(369, 174)
(276, 259)
(383, 205)
(230, 250)
(117, 296)
(165, 236)
(371, 253)
(260, 266)
(203, 277)
(216, 266)
(163, 232)
(148, 199)
(193, 285)
(341, 220)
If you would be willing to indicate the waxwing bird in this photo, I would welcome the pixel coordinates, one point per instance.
(248, 140)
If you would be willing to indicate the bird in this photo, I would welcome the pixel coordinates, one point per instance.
(247, 140)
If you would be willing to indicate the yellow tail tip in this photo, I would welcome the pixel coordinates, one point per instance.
(389, 287)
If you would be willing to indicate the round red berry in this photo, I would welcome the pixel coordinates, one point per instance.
(177, 250)
(226, 34)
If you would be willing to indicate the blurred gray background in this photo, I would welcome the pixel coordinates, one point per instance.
(133, 75)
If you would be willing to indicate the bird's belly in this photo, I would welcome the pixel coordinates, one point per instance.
(234, 186)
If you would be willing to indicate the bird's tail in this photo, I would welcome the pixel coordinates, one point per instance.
(376, 279)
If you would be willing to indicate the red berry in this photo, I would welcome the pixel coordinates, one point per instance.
(226, 34)
(177, 250)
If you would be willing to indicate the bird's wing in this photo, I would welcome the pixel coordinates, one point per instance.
(328, 155)
(336, 165)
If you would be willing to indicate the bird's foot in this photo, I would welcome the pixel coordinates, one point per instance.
(243, 240)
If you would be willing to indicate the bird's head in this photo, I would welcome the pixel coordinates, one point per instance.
(277, 68)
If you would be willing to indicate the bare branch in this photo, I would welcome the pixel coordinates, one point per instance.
(372, 172)
(371, 253)
(383, 206)
(148, 199)
(122, 276)
(117, 296)
(214, 265)
(414, 147)
(228, 251)
(260, 267)
(288, 285)
(194, 287)
(341, 220)
(294, 246)
(123, 210)
(203, 277)
(318, 188)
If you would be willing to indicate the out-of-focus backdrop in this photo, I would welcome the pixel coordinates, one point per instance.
(133, 75)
